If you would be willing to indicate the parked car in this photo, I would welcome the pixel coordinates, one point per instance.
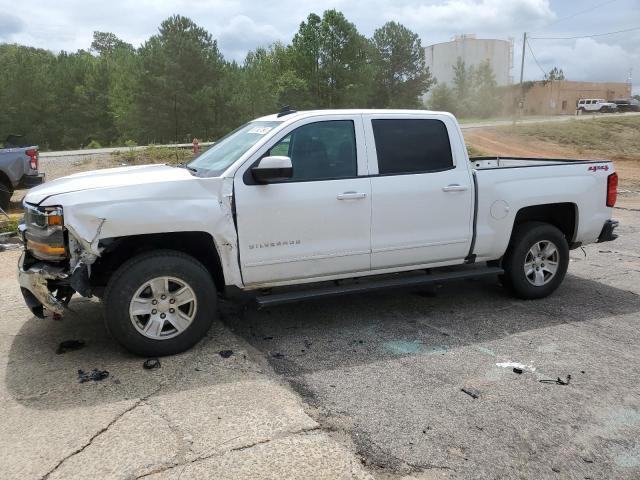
(627, 104)
(18, 168)
(311, 200)
(595, 105)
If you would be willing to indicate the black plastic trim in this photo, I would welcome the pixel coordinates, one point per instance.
(607, 235)
(373, 285)
(561, 162)
(471, 257)
(28, 181)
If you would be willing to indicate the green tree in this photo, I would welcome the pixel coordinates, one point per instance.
(178, 93)
(462, 79)
(305, 51)
(442, 98)
(485, 100)
(25, 93)
(555, 74)
(401, 74)
(106, 42)
(333, 59)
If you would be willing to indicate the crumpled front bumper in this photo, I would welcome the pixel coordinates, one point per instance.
(35, 286)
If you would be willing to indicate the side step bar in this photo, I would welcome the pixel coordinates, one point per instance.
(269, 300)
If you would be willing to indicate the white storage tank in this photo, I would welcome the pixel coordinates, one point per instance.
(442, 57)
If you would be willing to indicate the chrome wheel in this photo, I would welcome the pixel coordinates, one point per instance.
(541, 263)
(163, 308)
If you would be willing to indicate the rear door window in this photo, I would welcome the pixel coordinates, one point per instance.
(411, 146)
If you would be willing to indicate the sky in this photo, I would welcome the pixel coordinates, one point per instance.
(240, 26)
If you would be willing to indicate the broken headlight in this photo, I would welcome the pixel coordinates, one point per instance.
(44, 232)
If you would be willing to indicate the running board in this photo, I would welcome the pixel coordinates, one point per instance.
(269, 300)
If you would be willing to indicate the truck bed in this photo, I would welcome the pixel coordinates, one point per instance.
(484, 163)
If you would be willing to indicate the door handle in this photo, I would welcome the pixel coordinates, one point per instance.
(351, 196)
(454, 187)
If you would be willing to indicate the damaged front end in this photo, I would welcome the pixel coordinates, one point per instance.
(54, 264)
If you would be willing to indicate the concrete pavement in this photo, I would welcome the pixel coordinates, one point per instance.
(234, 414)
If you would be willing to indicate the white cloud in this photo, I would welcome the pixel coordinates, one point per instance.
(477, 15)
(242, 34)
(584, 59)
(243, 25)
(9, 26)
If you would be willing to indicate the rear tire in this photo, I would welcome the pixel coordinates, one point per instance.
(5, 197)
(160, 303)
(536, 261)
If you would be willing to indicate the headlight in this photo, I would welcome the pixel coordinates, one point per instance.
(44, 232)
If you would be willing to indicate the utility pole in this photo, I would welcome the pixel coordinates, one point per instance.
(521, 102)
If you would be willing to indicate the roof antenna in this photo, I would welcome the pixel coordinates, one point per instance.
(286, 110)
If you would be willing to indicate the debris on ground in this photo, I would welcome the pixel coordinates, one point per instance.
(521, 366)
(558, 381)
(151, 363)
(277, 355)
(9, 246)
(69, 345)
(225, 353)
(517, 370)
(10, 241)
(471, 392)
(94, 375)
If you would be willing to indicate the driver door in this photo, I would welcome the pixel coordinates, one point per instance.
(316, 224)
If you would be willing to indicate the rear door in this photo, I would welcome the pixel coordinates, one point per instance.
(421, 191)
(316, 224)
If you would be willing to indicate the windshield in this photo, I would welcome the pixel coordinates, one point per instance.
(229, 148)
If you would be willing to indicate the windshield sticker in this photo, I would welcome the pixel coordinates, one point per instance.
(260, 130)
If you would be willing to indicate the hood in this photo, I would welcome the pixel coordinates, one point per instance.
(108, 178)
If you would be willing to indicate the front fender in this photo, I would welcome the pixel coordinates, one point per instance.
(196, 204)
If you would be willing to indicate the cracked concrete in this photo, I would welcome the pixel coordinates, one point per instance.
(198, 408)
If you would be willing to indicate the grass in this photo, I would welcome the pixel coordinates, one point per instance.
(617, 137)
(152, 154)
(474, 152)
(9, 224)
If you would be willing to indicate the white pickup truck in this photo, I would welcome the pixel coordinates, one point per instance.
(332, 201)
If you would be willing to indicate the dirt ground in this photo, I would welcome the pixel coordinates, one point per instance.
(501, 142)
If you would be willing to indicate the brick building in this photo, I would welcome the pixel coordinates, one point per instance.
(560, 96)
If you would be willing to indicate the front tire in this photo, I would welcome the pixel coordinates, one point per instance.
(537, 260)
(160, 303)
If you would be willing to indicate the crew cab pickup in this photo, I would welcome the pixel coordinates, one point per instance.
(18, 169)
(304, 205)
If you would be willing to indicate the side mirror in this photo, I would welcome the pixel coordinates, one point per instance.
(272, 169)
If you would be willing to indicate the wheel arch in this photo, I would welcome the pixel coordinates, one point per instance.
(116, 251)
(564, 216)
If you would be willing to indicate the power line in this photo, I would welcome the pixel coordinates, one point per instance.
(578, 13)
(536, 60)
(586, 36)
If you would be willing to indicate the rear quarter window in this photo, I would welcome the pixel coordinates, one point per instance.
(412, 146)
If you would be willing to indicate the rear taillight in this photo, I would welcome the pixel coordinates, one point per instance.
(33, 155)
(612, 189)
